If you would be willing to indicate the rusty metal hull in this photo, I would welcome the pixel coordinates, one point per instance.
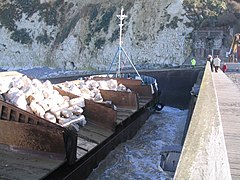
(20, 129)
(81, 151)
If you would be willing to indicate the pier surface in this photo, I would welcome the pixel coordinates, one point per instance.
(228, 95)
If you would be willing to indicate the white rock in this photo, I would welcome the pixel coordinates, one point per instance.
(121, 87)
(80, 120)
(50, 117)
(66, 98)
(56, 110)
(38, 96)
(98, 98)
(65, 104)
(17, 82)
(77, 110)
(27, 81)
(92, 84)
(86, 93)
(103, 85)
(112, 84)
(37, 109)
(66, 113)
(37, 83)
(77, 101)
(45, 104)
(75, 90)
(12, 93)
(20, 101)
(48, 84)
(5, 86)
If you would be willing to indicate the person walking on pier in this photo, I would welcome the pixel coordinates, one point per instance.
(216, 62)
(224, 67)
(210, 59)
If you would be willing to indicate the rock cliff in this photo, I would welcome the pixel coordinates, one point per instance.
(84, 35)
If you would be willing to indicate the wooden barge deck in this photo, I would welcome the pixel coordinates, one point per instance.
(80, 152)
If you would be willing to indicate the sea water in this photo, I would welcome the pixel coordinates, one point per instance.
(139, 158)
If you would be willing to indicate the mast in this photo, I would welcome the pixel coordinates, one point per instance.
(120, 50)
(121, 17)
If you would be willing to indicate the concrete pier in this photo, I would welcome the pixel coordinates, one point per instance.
(211, 145)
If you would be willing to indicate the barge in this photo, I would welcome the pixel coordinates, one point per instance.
(77, 152)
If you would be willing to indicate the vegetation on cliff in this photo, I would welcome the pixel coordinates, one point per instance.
(76, 31)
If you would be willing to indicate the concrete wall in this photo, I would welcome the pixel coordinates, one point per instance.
(175, 85)
(204, 153)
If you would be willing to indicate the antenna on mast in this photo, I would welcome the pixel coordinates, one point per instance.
(121, 17)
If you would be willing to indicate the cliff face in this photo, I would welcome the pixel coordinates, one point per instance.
(76, 33)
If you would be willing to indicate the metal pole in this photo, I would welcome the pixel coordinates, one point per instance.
(121, 17)
(113, 62)
(132, 64)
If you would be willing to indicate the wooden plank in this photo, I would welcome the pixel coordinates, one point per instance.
(141, 105)
(120, 120)
(232, 150)
(80, 153)
(234, 172)
(145, 99)
(229, 111)
(90, 135)
(126, 110)
(235, 177)
(231, 158)
(122, 116)
(85, 145)
(98, 130)
(235, 163)
(124, 113)
(233, 137)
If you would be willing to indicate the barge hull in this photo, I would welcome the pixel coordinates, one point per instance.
(82, 168)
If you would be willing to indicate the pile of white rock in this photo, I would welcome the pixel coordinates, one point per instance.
(90, 89)
(43, 100)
